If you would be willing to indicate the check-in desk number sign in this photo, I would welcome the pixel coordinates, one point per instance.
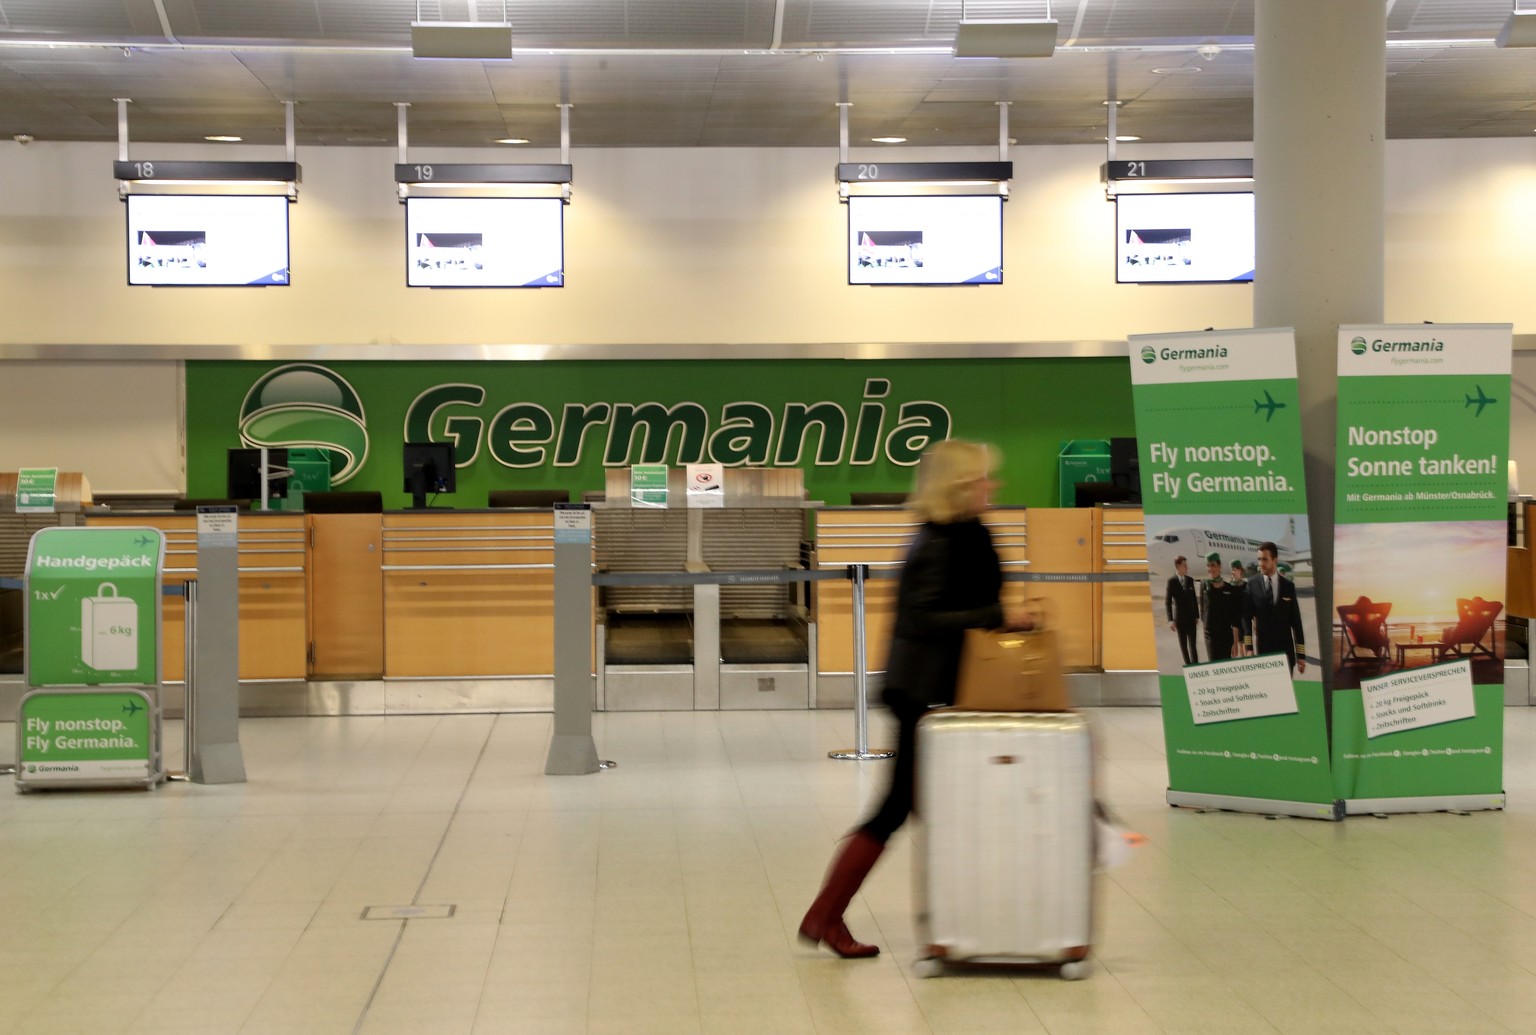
(109, 630)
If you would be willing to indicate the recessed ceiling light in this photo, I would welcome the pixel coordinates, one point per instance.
(1180, 70)
(224, 139)
(512, 140)
(889, 140)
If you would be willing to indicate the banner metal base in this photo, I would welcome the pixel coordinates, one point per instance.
(1428, 803)
(1331, 811)
(855, 755)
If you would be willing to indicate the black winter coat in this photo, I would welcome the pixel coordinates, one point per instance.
(951, 582)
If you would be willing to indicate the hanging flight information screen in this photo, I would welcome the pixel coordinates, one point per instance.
(932, 239)
(484, 242)
(1184, 238)
(201, 240)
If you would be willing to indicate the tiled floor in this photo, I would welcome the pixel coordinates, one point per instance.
(662, 896)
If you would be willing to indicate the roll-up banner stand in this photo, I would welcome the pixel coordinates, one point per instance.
(1218, 429)
(90, 714)
(1419, 566)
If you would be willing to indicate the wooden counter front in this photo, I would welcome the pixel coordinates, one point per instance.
(273, 637)
(1126, 638)
(879, 537)
(1100, 624)
(469, 593)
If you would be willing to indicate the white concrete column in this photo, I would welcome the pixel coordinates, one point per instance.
(1319, 146)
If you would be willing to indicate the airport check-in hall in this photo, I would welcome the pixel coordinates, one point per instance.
(489, 508)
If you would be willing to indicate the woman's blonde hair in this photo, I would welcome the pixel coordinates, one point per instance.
(946, 476)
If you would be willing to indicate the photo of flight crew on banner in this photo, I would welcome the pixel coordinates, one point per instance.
(1230, 586)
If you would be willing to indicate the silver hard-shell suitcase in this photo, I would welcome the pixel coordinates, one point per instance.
(1005, 849)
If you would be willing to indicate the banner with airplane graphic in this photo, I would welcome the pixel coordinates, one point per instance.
(1420, 543)
(1229, 555)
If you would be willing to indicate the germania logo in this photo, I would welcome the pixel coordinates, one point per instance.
(1148, 354)
(1357, 346)
(306, 405)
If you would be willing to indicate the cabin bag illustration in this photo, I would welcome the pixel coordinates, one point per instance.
(109, 630)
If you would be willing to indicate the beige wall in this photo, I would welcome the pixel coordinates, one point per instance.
(719, 245)
(662, 247)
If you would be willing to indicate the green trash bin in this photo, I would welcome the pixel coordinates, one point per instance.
(1081, 460)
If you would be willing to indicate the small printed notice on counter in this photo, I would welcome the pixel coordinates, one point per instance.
(1418, 697)
(37, 490)
(706, 485)
(1243, 688)
(217, 526)
(573, 522)
(648, 485)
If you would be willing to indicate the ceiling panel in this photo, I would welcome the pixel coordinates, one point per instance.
(674, 73)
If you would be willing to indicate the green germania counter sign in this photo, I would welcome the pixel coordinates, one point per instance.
(849, 424)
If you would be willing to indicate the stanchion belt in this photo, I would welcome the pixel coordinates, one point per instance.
(166, 590)
(1074, 576)
(1038, 576)
(713, 578)
(749, 578)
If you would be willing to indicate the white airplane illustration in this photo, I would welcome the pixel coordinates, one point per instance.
(1196, 543)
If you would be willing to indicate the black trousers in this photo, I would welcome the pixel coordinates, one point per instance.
(1218, 649)
(897, 806)
(1188, 637)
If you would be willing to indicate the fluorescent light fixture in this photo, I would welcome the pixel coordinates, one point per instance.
(1024, 38)
(1519, 31)
(1125, 137)
(889, 140)
(477, 40)
(510, 140)
(1178, 70)
(224, 139)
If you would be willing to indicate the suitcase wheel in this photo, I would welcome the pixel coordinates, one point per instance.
(1075, 970)
(928, 967)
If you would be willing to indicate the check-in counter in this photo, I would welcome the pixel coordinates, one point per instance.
(708, 645)
(466, 618)
(468, 594)
(272, 556)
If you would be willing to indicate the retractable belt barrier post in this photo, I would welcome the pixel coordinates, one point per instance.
(857, 573)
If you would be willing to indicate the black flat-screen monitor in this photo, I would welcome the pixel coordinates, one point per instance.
(527, 497)
(428, 468)
(243, 474)
(202, 240)
(485, 242)
(932, 239)
(1184, 238)
(1125, 467)
(1092, 494)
